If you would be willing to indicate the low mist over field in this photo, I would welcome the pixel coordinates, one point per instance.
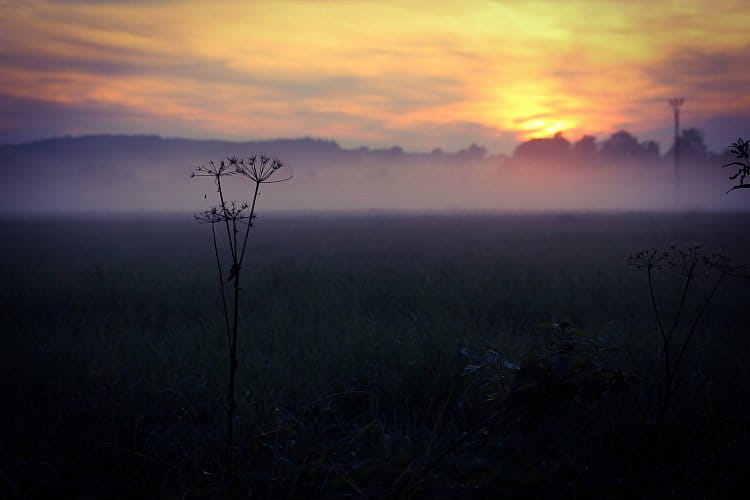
(440, 105)
(148, 173)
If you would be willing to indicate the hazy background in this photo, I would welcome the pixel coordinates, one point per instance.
(148, 173)
(488, 83)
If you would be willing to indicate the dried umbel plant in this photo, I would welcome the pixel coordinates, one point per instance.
(741, 151)
(689, 262)
(235, 222)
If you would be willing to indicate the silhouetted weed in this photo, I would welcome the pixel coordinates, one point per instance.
(741, 151)
(237, 220)
(688, 262)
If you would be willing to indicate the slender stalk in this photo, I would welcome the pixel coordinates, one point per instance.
(680, 306)
(662, 355)
(221, 285)
(653, 303)
(672, 375)
(234, 240)
(694, 325)
(250, 221)
(226, 220)
(665, 392)
(233, 362)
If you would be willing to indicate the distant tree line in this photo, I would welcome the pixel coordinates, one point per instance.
(620, 147)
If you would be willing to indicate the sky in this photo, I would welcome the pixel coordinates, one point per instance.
(421, 74)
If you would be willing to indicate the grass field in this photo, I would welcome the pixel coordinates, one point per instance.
(356, 332)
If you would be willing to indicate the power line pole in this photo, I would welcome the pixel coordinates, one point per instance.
(676, 103)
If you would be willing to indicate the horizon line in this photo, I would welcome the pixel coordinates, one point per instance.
(332, 141)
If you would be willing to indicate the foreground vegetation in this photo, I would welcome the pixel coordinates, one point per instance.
(405, 356)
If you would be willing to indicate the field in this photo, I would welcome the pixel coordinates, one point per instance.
(356, 336)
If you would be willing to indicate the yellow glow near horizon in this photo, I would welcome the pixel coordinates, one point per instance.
(417, 72)
(538, 127)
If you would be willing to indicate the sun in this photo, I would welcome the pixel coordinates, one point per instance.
(544, 127)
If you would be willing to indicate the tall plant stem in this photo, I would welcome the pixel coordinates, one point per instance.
(672, 375)
(694, 325)
(221, 286)
(250, 221)
(665, 392)
(233, 362)
(679, 307)
(226, 220)
(662, 344)
(656, 308)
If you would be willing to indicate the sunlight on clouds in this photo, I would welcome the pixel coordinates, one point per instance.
(366, 70)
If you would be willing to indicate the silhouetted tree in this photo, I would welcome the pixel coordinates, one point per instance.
(555, 148)
(585, 149)
(624, 146)
(473, 152)
(585, 145)
(650, 149)
(693, 147)
(621, 144)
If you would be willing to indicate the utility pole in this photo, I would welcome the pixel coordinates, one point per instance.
(676, 103)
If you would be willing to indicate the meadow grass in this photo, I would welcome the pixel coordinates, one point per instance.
(352, 377)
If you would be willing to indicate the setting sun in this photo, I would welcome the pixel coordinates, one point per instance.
(537, 127)
(415, 73)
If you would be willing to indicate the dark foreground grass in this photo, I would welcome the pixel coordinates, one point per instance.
(355, 338)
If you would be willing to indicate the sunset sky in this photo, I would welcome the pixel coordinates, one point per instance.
(420, 74)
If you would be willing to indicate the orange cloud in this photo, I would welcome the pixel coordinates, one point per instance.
(380, 72)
